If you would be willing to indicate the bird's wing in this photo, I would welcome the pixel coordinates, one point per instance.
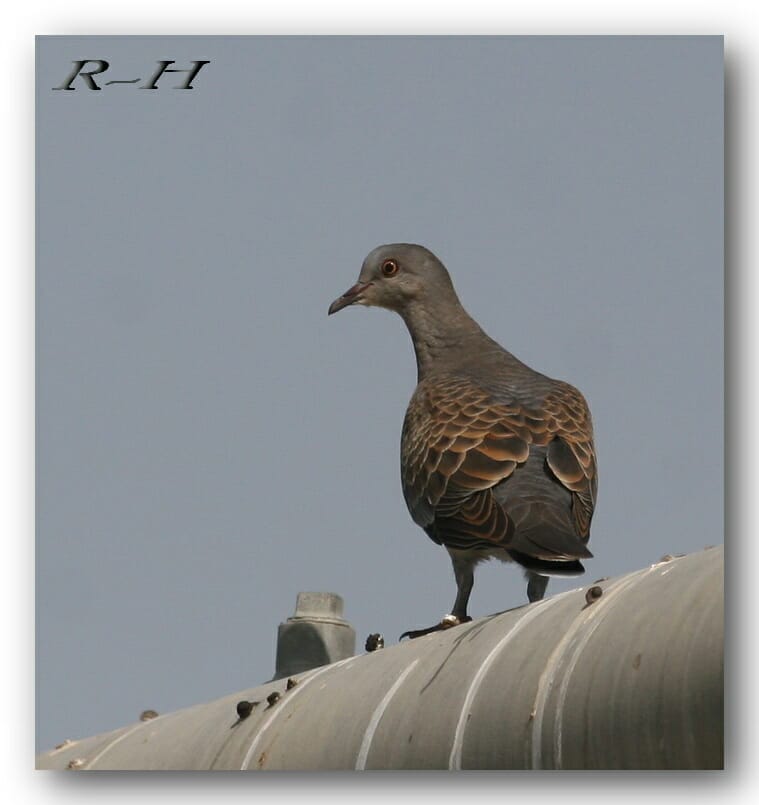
(458, 443)
(571, 456)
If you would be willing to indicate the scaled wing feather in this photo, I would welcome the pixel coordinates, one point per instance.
(458, 444)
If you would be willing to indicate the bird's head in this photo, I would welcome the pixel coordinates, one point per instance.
(397, 276)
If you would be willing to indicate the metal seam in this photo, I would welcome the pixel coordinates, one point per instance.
(575, 656)
(113, 743)
(454, 760)
(379, 711)
(546, 681)
(293, 693)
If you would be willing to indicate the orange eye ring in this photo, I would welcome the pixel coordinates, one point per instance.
(390, 268)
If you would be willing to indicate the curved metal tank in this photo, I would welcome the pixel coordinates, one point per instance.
(630, 679)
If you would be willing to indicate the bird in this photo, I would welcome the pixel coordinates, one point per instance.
(497, 459)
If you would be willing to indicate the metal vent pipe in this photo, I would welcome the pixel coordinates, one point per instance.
(625, 673)
(316, 635)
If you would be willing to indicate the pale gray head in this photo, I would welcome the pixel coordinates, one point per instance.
(399, 276)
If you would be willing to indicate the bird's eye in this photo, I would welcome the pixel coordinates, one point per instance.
(389, 268)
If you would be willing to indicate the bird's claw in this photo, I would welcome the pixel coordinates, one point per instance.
(446, 623)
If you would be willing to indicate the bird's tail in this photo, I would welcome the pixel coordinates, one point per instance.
(549, 567)
(549, 551)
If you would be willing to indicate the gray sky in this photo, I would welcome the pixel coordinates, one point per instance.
(209, 443)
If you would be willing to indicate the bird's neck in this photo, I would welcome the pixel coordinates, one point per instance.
(439, 331)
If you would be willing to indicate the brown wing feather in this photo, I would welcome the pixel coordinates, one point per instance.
(571, 454)
(457, 444)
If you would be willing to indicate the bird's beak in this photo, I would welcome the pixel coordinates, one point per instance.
(351, 296)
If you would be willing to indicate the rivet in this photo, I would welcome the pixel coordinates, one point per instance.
(244, 708)
(593, 594)
(374, 642)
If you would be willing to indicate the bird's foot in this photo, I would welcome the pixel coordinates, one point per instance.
(446, 623)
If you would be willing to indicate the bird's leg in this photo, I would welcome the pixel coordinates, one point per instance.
(536, 586)
(464, 572)
(446, 623)
(463, 569)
